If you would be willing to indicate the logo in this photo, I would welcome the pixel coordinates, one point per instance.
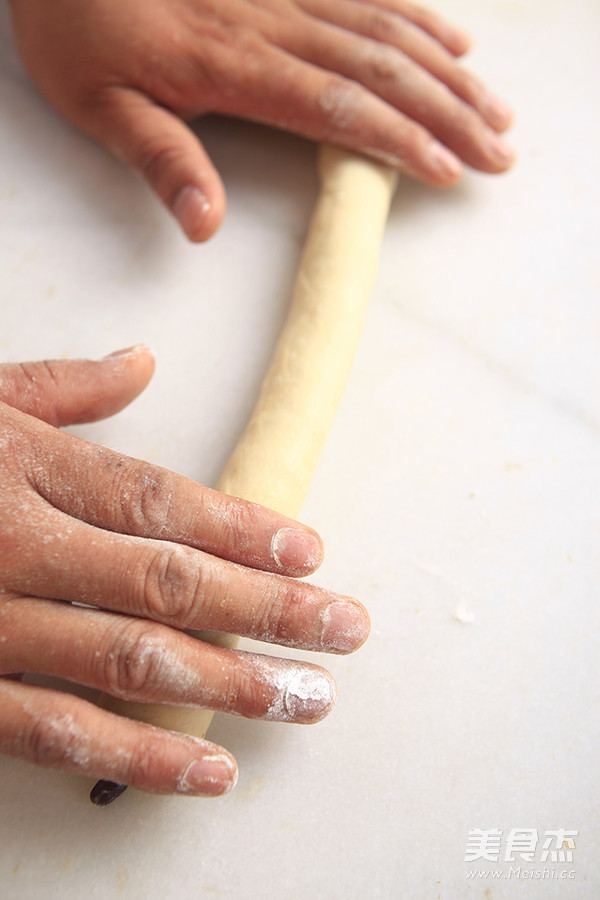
(529, 854)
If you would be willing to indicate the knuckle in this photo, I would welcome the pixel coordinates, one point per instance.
(249, 685)
(43, 743)
(148, 507)
(171, 584)
(154, 158)
(377, 23)
(382, 63)
(134, 664)
(142, 497)
(235, 523)
(338, 103)
(53, 741)
(275, 622)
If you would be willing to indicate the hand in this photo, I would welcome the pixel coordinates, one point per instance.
(149, 553)
(379, 78)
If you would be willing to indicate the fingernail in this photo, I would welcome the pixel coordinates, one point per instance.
(500, 149)
(456, 35)
(495, 108)
(296, 550)
(345, 627)
(189, 209)
(213, 774)
(445, 161)
(128, 351)
(305, 694)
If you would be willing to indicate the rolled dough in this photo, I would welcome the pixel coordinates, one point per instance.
(277, 454)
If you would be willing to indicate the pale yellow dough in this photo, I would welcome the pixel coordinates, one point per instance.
(276, 456)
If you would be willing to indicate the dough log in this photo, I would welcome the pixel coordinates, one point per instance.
(278, 452)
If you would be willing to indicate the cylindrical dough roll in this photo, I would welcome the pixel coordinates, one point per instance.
(276, 456)
(274, 460)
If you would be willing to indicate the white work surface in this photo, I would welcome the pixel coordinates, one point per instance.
(458, 493)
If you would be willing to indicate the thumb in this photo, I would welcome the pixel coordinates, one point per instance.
(66, 392)
(167, 153)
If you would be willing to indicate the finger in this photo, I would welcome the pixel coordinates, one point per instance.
(181, 587)
(66, 392)
(162, 148)
(133, 497)
(402, 34)
(324, 106)
(149, 663)
(407, 87)
(451, 36)
(60, 731)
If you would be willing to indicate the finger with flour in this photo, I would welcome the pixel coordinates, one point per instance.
(59, 731)
(97, 486)
(145, 662)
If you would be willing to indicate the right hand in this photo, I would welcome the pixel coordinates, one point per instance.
(379, 78)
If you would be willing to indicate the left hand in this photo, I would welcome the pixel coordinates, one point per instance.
(104, 559)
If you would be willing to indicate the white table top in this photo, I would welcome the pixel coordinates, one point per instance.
(457, 494)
